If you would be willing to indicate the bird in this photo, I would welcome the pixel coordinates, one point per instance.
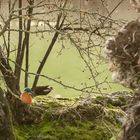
(42, 90)
(26, 96)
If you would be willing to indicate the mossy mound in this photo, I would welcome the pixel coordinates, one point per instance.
(73, 119)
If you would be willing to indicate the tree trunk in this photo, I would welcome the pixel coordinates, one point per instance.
(17, 66)
(44, 60)
(53, 41)
(17, 112)
(6, 126)
(30, 11)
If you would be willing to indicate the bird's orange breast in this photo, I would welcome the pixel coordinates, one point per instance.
(26, 98)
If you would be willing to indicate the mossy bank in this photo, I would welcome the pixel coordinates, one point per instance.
(73, 119)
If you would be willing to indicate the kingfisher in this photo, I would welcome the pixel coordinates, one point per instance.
(26, 96)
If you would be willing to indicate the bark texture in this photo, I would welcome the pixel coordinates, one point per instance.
(6, 126)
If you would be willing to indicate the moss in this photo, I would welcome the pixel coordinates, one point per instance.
(19, 135)
(79, 122)
(58, 130)
(114, 99)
